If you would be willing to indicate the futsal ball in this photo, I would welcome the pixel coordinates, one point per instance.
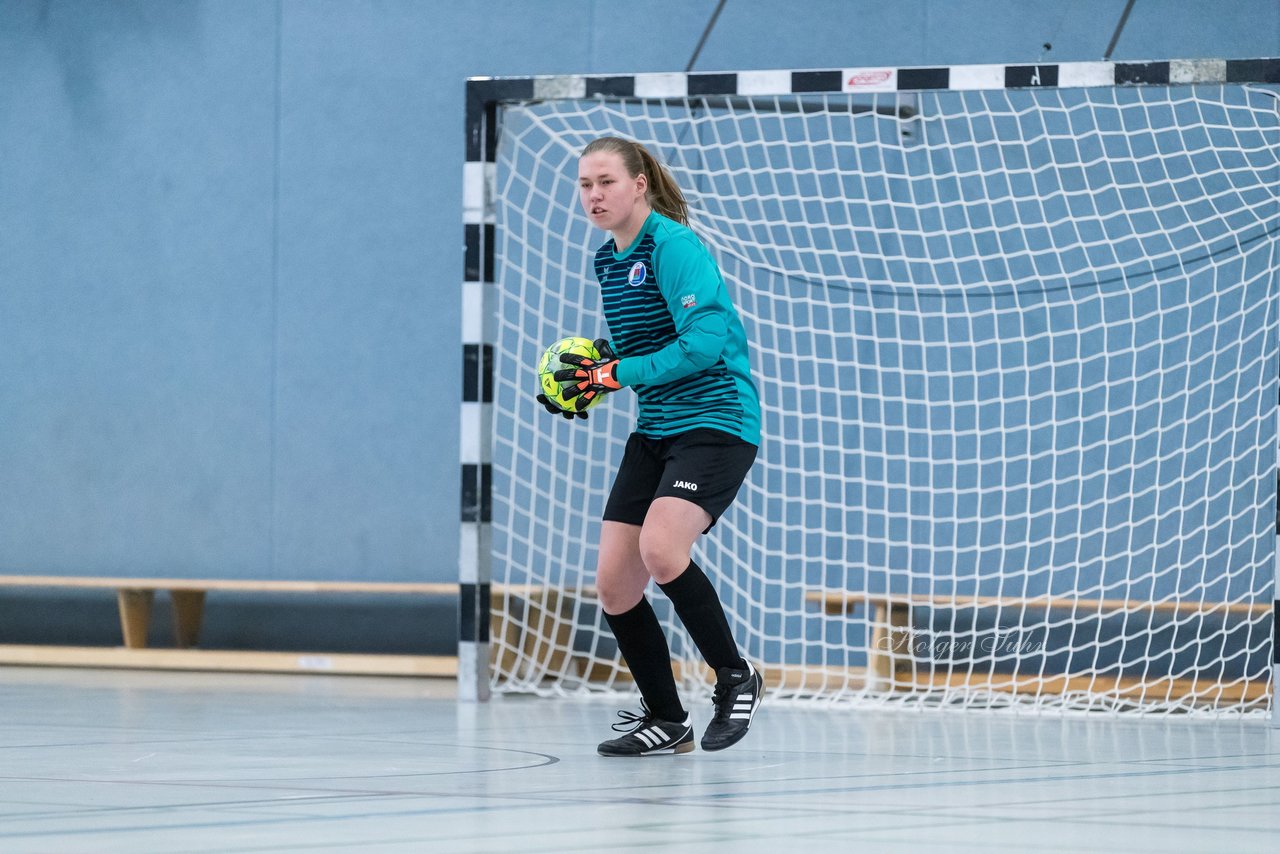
(551, 363)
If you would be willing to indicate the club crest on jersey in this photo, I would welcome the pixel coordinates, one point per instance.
(637, 275)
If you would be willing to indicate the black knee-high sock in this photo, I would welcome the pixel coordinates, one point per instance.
(700, 610)
(644, 646)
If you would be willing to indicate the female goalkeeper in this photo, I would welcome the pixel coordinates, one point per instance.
(678, 343)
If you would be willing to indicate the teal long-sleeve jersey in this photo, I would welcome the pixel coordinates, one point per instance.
(680, 342)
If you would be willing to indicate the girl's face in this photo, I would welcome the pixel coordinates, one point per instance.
(610, 197)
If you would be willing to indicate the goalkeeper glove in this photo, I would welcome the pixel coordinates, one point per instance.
(593, 376)
(555, 410)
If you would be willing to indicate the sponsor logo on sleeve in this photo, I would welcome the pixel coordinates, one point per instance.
(688, 301)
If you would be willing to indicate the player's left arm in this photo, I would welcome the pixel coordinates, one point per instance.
(695, 294)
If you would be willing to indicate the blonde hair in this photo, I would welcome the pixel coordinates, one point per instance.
(664, 194)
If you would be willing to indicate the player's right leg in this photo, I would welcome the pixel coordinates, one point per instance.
(663, 726)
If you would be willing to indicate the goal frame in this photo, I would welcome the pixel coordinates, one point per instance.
(484, 97)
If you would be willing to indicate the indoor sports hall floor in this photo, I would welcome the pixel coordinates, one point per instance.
(100, 760)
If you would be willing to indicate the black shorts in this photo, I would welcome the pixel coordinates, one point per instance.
(703, 466)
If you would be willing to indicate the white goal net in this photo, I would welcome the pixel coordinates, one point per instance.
(1017, 352)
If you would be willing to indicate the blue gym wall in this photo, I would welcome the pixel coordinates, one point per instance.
(230, 249)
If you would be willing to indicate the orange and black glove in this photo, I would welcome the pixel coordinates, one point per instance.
(555, 410)
(594, 377)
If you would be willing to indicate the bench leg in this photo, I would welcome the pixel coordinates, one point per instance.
(551, 621)
(900, 638)
(504, 642)
(537, 631)
(135, 616)
(548, 620)
(890, 652)
(188, 611)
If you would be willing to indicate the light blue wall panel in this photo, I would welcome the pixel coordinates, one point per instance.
(135, 287)
(364, 407)
(230, 249)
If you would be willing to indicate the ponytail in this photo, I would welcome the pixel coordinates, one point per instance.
(664, 194)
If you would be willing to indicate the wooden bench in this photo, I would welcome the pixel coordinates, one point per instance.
(135, 596)
(541, 631)
(542, 635)
(892, 665)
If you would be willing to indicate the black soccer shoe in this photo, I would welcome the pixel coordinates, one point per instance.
(736, 698)
(649, 736)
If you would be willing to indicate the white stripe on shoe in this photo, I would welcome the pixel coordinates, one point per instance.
(744, 705)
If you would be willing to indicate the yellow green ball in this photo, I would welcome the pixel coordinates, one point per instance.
(550, 363)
